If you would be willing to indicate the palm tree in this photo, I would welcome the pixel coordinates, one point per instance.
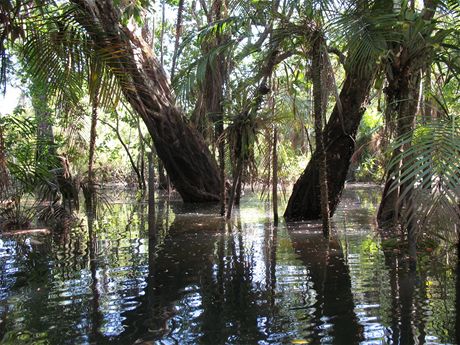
(95, 28)
(405, 60)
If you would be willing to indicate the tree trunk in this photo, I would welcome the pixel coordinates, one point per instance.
(236, 182)
(45, 154)
(4, 175)
(339, 142)
(275, 176)
(88, 192)
(318, 111)
(162, 178)
(141, 176)
(162, 32)
(151, 196)
(403, 94)
(221, 142)
(180, 9)
(145, 86)
(92, 141)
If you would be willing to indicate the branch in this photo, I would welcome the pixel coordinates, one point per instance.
(117, 132)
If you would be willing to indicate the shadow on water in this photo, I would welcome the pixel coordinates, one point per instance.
(210, 270)
(201, 280)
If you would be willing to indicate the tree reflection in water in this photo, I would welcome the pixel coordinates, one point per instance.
(201, 280)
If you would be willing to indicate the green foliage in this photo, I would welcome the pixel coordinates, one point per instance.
(431, 166)
(132, 10)
(22, 143)
(368, 158)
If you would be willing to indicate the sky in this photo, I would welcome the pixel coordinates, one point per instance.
(9, 101)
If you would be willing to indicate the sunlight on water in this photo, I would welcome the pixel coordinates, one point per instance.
(207, 282)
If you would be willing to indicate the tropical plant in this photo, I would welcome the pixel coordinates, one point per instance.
(63, 42)
(431, 174)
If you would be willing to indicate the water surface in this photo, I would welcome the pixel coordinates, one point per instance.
(202, 281)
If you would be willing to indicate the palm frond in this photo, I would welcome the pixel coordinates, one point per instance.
(58, 52)
(430, 166)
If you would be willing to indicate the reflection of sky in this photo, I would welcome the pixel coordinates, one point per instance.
(254, 245)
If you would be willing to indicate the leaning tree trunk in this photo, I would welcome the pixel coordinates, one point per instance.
(145, 86)
(339, 143)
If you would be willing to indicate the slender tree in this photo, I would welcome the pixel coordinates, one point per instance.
(92, 140)
(317, 69)
(275, 176)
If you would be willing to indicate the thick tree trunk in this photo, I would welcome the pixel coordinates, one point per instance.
(403, 94)
(389, 211)
(186, 158)
(339, 143)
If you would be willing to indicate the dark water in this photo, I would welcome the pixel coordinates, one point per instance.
(206, 282)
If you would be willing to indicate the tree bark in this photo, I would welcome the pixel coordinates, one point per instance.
(45, 154)
(92, 140)
(4, 175)
(402, 95)
(406, 87)
(275, 177)
(318, 110)
(339, 142)
(145, 86)
(141, 168)
(180, 9)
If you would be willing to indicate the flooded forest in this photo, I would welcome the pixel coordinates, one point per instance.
(229, 172)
